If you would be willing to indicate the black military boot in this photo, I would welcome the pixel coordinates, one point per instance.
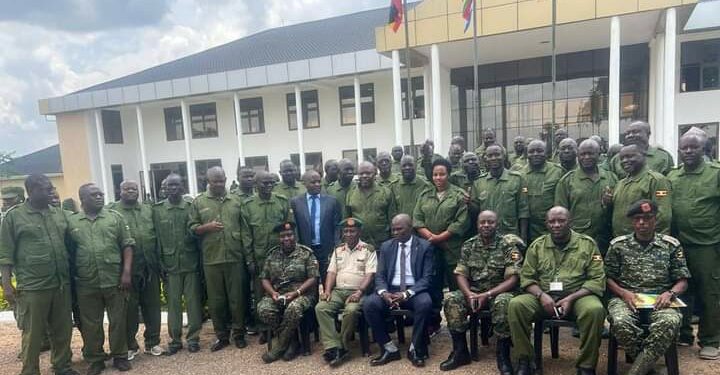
(502, 354)
(524, 367)
(460, 356)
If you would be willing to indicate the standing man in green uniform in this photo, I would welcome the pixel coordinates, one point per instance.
(488, 137)
(518, 159)
(289, 187)
(640, 183)
(651, 263)
(487, 276)
(408, 189)
(455, 157)
(427, 157)
(145, 294)
(465, 177)
(11, 197)
(657, 159)
(373, 204)
(345, 182)
(397, 154)
(385, 176)
(560, 134)
(246, 185)
(563, 277)
(331, 174)
(696, 223)
(215, 219)
(568, 154)
(587, 193)
(32, 245)
(103, 262)
(541, 177)
(503, 192)
(180, 260)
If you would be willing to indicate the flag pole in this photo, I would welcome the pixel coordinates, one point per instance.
(409, 96)
(476, 85)
(551, 132)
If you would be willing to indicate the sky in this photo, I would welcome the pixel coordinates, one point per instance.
(54, 47)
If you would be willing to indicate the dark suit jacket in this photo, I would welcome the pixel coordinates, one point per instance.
(329, 219)
(421, 259)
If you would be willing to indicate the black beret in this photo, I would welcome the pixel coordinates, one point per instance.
(643, 206)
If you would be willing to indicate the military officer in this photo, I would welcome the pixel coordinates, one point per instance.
(427, 157)
(409, 187)
(470, 171)
(180, 260)
(246, 179)
(397, 154)
(145, 294)
(518, 159)
(563, 277)
(487, 274)
(455, 154)
(541, 177)
(611, 151)
(103, 257)
(640, 183)
(649, 263)
(567, 154)
(373, 204)
(350, 274)
(344, 183)
(587, 193)
(40, 262)
(657, 159)
(385, 177)
(216, 221)
(11, 196)
(560, 134)
(289, 277)
(289, 187)
(489, 139)
(696, 223)
(331, 174)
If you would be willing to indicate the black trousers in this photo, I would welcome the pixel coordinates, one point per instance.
(375, 310)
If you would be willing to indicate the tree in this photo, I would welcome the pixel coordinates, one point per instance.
(5, 169)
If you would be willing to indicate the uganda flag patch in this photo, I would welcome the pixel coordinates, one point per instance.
(661, 193)
(597, 258)
(515, 256)
(680, 254)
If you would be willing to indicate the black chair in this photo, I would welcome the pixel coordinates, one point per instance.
(671, 355)
(483, 319)
(554, 326)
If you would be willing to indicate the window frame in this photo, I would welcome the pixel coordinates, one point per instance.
(205, 122)
(111, 130)
(418, 100)
(368, 106)
(246, 106)
(167, 112)
(292, 113)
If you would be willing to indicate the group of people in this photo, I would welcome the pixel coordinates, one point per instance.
(571, 233)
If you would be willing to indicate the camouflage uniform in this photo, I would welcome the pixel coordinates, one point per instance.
(485, 267)
(653, 270)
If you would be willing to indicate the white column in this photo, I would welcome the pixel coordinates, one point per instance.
(659, 108)
(436, 99)
(427, 89)
(669, 131)
(358, 120)
(238, 130)
(101, 156)
(192, 178)
(397, 97)
(614, 84)
(143, 157)
(300, 126)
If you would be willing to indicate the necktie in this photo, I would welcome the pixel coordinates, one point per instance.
(313, 217)
(403, 258)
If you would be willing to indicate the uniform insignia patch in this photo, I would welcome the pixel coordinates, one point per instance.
(680, 254)
(661, 193)
(515, 256)
(524, 190)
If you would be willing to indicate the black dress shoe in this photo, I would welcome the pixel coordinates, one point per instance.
(121, 364)
(219, 345)
(585, 371)
(524, 367)
(193, 347)
(385, 358)
(240, 342)
(172, 350)
(96, 368)
(329, 355)
(417, 360)
(341, 355)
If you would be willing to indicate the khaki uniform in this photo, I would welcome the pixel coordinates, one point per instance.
(288, 191)
(375, 208)
(656, 159)
(407, 193)
(541, 194)
(647, 184)
(506, 195)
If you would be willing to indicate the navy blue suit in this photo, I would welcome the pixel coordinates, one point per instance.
(329, 233)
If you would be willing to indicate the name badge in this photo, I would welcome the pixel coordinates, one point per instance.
(556, 286)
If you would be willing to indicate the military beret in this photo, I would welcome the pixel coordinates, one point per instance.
(11, 192)
(351, 222)
(643, 206)
(284, 226)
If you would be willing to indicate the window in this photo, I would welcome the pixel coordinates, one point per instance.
(201, 167)
(347, 104)
(418, 97)
(700, 61)
(116, 171)
(310, 110)
(112, 127)
(174, 124)
(369, 154)
(160, 171)
(257, 163)
(313, 160)
(251, 113)
(203, 120)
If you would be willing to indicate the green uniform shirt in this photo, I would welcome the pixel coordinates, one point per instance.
(139, 218)
(582, 196)
(324, 185)
(179, 252)
(696, 204)
(226, 245)
(33, 243)
(241, 194)
(395, 167)
(340, 193)
(578, 265)
(386, 182)
(375, 208)
(98, 245)
(289, 192)
(406, 194)
(287, 272)
(424, 165)
(646, 184)
(541, 194)
(506, 196)
(486, 266)
(260, 216)
(656, 159)
(517, 162)
(653, 269)
(439, 214)
(461, 180)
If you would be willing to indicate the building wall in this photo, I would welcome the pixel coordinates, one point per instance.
(74, 137)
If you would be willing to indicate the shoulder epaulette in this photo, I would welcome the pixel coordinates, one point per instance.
(369, 247)
(670, 239)
(714, 165)
(303, 247)
(619, 239)
(279, 196)
(514, 173)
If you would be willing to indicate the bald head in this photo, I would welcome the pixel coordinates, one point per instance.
(216, 181)
(129, 192)
(401, 227)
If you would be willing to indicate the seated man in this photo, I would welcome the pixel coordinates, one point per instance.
(289, 276)
(405, 269)
(486, 274)
(349, 275)
(651, 263)
(564, 278)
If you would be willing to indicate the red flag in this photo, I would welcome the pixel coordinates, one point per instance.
(396, 14)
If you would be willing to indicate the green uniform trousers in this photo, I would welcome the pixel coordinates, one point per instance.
(93, 303)
(283, 319)
(144, 298)
(227, 298)
(326, 311)
(43, 312)
(457, 310)
(187, 285)
(625, 326)
(704, 265)
(588, 312)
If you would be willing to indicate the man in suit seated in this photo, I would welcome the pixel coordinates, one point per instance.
(404, 272)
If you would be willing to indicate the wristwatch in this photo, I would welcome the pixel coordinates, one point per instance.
(673, 293)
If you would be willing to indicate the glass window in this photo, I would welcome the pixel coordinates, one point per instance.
(116, 170)
(201, 168)
(418, 88)
(313, 160)
(257, 163)
(174, 124)
(700, 65)
(203, 121)
(310, 110)
(112, 127)
(251, 113)
(369, 154)
(160, 171)
(347, 104)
